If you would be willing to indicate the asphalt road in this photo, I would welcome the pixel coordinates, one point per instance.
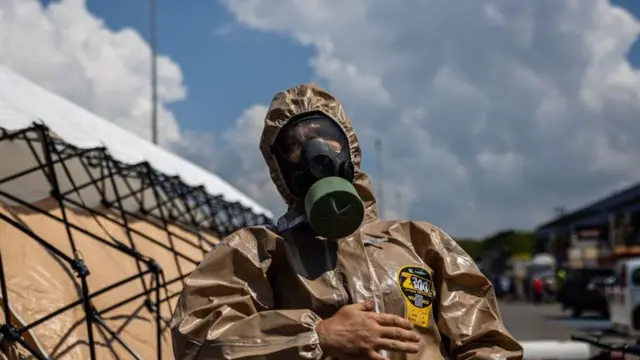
(545, 322)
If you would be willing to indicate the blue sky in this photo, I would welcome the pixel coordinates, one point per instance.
(225, 74)
(633, 6)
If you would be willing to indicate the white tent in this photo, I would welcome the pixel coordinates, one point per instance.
(97, 221)
(24, 103)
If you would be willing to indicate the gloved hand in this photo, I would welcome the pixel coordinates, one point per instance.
(357, 332)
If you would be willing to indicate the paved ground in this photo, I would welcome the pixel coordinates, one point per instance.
(545, 322)
(528, 322)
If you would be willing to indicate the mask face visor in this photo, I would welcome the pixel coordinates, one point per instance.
(291, 138)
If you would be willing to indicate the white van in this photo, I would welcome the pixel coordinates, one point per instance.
(624, 298)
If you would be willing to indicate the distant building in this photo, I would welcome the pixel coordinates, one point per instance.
(597, 234)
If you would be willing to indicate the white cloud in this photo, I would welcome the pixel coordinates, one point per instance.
(71, 52)
(492, 111)
(242, 161)
(236, 156)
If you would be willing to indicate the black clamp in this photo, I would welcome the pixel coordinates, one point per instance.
(150, 305)
(154, 266)
(55, 193)
(9, 332)
(80, 268)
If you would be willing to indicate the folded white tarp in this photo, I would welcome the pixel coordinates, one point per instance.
(23, 103)
(556, 350)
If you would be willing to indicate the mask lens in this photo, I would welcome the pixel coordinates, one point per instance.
(293, 135)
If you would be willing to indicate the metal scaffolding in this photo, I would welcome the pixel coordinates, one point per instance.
(172, 202)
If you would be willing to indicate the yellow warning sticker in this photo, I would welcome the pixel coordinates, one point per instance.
(417, 287)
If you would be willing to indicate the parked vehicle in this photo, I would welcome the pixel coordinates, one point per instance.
(624, 298)
(584, 290)
(595, 298)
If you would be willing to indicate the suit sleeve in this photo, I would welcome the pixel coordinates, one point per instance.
(225, 310)
(466, 309)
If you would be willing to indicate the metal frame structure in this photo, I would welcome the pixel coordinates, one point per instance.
(176, 203)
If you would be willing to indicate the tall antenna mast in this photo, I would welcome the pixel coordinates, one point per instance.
(154, 72)
(378, 147)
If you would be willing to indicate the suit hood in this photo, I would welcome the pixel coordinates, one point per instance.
(311, 98)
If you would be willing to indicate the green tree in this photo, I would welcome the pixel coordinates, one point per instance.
(522, 242)
(473, 247)
(510, 242)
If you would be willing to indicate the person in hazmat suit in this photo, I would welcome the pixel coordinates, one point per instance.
(333, 280)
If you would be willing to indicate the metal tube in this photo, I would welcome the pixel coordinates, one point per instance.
(380, 200)
(154, 72)
(565, 350)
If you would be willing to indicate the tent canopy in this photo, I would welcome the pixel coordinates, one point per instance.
(98, 229)
(24, 103)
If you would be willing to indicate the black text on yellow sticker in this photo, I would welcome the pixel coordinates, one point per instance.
(416, 285)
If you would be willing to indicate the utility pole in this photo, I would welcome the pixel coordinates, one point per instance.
(154, 72)
(378, 148)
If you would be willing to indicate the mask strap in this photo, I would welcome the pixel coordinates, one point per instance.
(284, 223)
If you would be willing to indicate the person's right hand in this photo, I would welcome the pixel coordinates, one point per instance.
(356, 332)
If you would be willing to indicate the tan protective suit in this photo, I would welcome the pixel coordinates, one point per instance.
(260, 293)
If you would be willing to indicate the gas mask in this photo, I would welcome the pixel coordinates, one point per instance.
(312, 152)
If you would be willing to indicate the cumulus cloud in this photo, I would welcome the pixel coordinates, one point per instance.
(234, 154)
(242, 161)
(492, 112)
(67, 50)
